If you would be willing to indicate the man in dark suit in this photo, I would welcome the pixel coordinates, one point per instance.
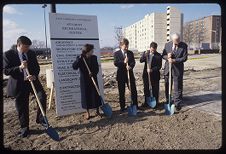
(120, 61)
(15, 61)
(155, 66)
(175, 52)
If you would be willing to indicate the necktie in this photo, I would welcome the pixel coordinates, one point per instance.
(24, 57)
(175, 48)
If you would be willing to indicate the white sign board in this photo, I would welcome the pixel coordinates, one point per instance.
(68, 34)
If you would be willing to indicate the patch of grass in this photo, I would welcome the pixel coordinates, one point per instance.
(197, 58)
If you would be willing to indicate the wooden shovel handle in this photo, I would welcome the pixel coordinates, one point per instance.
(95, 85)
(36, 95)
(149, 78)
(127, 64)
(170, 77)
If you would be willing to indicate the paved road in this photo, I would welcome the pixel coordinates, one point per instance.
(206, 101)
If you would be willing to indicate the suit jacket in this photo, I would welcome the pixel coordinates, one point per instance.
(121, 66)
(180, 56)
(11, 63)
(156, 65)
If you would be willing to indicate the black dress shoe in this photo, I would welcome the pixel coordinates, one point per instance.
(178, 107)
(144, 105)
(139, 108)
(122, 110)
(24, 132)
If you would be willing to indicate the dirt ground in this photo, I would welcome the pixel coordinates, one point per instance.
(150, 129)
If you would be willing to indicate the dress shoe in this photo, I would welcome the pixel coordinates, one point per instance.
(139, 108)
(24, 132)
(178, 107)
(122, 110)
(144, 105)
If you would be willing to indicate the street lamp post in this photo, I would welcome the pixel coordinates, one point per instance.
(44, 6)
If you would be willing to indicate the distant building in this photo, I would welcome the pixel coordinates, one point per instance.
(175, 20)
(204, 33)
(155, 27)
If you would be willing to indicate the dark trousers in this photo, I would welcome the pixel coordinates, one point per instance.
(121, 89)
(155, 89)
(22, 104)
(178, 88)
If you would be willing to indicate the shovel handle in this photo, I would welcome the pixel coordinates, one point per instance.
(127, 64)
(149, 77)
(36, 95)
(170, 79)
(95, 85)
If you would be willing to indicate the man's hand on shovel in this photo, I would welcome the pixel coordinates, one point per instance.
(31, 77)
(149, 70)
(128, 67)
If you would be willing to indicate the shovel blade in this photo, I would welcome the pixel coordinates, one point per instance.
(52, 133)
(106, 108)
(151, 101)
(132, 110)
(169, 109)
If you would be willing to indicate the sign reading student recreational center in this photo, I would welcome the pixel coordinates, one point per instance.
(68, 34)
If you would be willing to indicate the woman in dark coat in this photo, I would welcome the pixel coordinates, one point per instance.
(89, 96)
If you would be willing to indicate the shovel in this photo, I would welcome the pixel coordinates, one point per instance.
(49, 130)
(151, 101)
(132, 109)
(105, 107)
(169, 109)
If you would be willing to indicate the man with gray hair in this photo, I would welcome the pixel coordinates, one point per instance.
(175, 52)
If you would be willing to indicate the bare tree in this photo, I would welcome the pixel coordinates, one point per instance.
(38, 44)
(14, 46)
(188, 34)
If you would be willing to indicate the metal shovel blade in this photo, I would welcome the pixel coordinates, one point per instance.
(132, 110)
(172, 109)
(51, 131)
(106, 108)
(169, 109)
(151, 101)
